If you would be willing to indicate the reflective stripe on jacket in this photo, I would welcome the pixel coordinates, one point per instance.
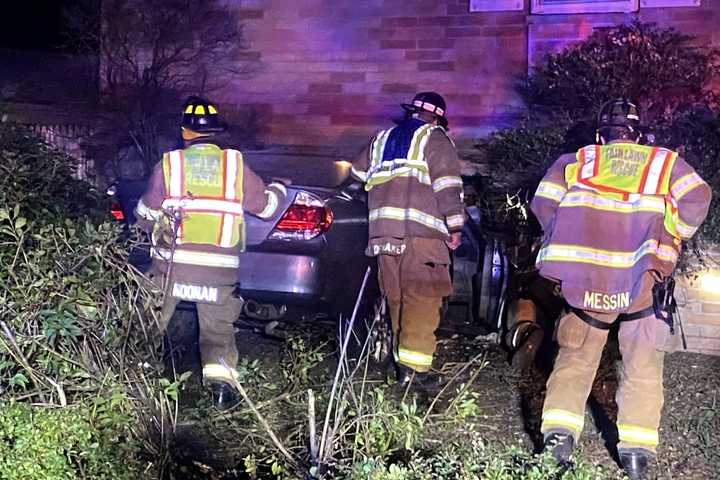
(412, 174)
(609, 214)
(203, 184)
(212, 192)
(404, 161)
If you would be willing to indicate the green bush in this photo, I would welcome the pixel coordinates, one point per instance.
(473, 460)
(41, 443)
(73, 332)
(663, 69)
(40, 179)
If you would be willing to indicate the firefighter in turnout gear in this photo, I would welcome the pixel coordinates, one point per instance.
(416, 212)
(194, 207)
(614, 216)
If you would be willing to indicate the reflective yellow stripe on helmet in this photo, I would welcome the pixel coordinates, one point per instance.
(554, 418)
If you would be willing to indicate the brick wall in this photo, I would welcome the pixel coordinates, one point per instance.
(329, 72)
(698, 297)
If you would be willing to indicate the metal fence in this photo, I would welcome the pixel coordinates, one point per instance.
(71, 140)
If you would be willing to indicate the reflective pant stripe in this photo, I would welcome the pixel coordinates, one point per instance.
(203, 259)
(215, 371)
(414, 358)
(638, 435)
(562, 418)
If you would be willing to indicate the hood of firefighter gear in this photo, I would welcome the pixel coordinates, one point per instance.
(201, 117)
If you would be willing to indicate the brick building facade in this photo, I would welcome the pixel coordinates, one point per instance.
(328, 72)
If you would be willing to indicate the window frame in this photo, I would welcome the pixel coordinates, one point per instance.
(669, 3)
(496, 5)
(539, 7)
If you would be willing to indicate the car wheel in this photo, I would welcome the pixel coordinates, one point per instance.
(371, 334)
(490, 286)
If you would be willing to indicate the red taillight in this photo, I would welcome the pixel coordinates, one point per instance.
(117, 212)
(306, 218)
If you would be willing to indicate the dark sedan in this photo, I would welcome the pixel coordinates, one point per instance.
(312, 252)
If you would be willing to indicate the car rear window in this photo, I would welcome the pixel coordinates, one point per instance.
(307, 170)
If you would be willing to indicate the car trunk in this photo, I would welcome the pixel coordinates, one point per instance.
(321, 175)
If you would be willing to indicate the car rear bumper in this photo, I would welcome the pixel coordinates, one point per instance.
(280, 277)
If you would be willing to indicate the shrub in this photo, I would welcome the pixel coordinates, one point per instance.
(660, 67)
(41, 443)
(73, 334)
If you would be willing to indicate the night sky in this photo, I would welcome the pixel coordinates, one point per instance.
(33, 24)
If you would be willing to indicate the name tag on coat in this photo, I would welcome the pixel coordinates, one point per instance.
(601, 301)
(196, 293)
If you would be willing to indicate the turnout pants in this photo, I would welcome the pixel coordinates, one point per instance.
(640, 393)
(414, 283)
(216, 332)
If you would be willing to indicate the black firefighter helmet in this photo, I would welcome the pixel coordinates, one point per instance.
(619, 113)
(428, 102)
(201, 116)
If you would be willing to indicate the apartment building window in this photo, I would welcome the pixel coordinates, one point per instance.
(586, 6)
(496, 5)
(669, 3)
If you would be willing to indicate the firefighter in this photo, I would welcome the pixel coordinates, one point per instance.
(194, 207)
(614, 215)
(416, 212)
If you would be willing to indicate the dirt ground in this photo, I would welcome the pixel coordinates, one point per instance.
(510, 403)
(690, 428)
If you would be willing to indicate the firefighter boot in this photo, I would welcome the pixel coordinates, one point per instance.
(635, 462)
(526, 343)
(422, 385)
(224, 395)
(560, 444)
